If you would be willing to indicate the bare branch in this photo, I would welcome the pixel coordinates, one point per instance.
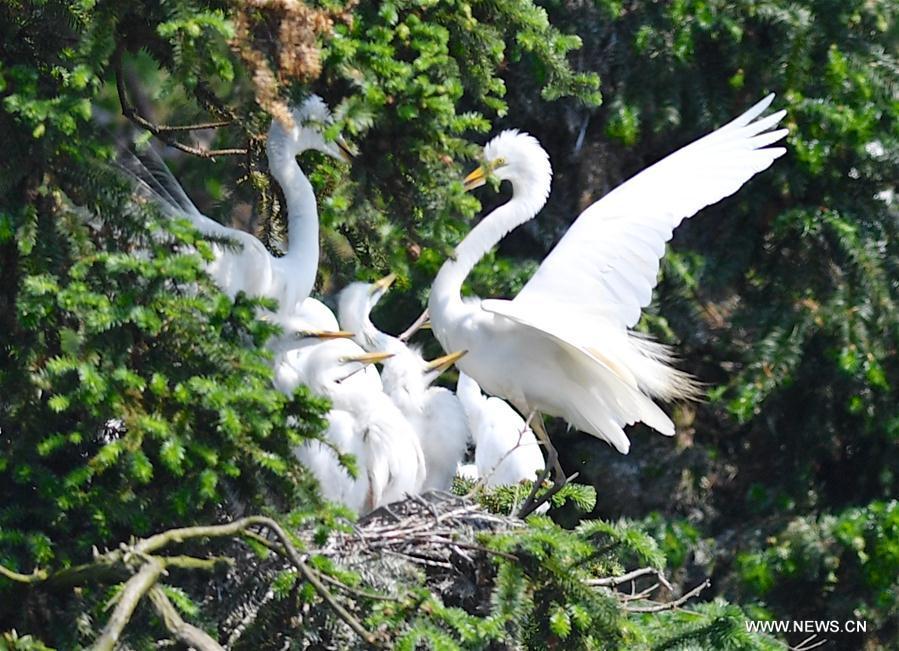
(186, 633)
(482, 481)
(809, 643)
(355, 591)
(630, 576)
(638, 596)
(161, 540)
(176, 128)
(34, 577)
(163, 131)
(134, 590)
(415, 327)
(192, 563)
(655, 608)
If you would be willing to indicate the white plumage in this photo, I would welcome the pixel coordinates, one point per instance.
(435, 413)
(248, 266)
(562, 347)
(362, 421)
(506, 450)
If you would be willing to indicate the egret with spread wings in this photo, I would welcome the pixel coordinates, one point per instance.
(563, 346)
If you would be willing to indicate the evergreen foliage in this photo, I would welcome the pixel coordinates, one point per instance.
(782, 298)
(135, 398)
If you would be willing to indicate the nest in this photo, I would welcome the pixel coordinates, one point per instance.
(429, 540)
(432, 538)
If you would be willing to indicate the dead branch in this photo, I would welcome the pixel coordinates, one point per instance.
(161, 131)
(186, 633)
(192, 563)
(12, 575)
(670, 605)
(809, 643)
(638, 596)
(630, 576)
(415, 327)
(135, 589)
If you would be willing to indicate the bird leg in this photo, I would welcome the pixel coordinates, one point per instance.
(552, 455)
(532, 503)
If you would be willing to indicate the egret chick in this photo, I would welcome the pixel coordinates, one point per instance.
(506, 450)
(364, 422)
(435, 413)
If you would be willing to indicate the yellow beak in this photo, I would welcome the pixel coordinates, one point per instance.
(383, 284)
(327, 334)
(367, 358)
(345, 152)
(426, 325)
(443, 363)
(476, 179)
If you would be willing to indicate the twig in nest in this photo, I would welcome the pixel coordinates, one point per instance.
(161, 131)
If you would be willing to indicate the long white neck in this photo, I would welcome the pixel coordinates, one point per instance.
(302, 222)
(469, 393)
(446, 292)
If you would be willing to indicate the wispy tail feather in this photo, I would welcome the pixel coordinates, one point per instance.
(155, 180)
(651, 365)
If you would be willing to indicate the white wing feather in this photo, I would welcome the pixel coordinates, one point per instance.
(249, 267)
(607, 262)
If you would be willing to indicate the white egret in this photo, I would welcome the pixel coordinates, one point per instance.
(506, 450)
(435, 413)
(250, 267)
(563, 346)
(364, 422)
(291, 360)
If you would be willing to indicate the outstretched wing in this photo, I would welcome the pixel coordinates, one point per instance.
(607, 262)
